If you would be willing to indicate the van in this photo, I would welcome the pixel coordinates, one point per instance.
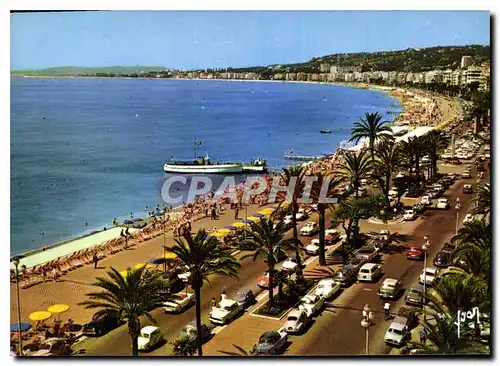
(370, 272)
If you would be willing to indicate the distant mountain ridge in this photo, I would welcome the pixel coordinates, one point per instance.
(81, 70)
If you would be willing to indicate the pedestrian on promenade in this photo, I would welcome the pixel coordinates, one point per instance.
(236, 211)
(206, 211)
(54, 274)
(423, 335)
(95, 259)
(213, 303)
(387, 307)
(214, 214)
(223, 294)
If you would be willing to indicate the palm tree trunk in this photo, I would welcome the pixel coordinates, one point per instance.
(134, 335)
(417, 168)
(321, 212)
(296, 236)
(270, 268)
(386, 193)
(197, 292)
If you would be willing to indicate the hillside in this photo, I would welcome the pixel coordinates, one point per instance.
(77, 70)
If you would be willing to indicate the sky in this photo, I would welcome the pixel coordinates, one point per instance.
(190, 39)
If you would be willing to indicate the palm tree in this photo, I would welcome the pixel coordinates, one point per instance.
(387, 161)
(436, 141)
(294, 176)
(373, 128)
(132, 296)
(355, 167)
(442, 338)
(413, 149)
(483, 201)
(202, 255)
(268, 240)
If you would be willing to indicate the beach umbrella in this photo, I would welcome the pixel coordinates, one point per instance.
(267, 211)
(253, 219)
(156, 261)
(40, 316)
(230, 227)
(58, 308)
(224, 231)
(237, 224)
(217, 234)
(258, 214)
(140, 265)
(170, 256)
(14, 327)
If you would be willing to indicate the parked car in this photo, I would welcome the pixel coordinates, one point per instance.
(425, 200)
(430, 275)
(443, 204)
(327, 288)
(467, 188)
(149, 337)
(313, 247)
(409, 215)
(179, 302)
(346, 276)
(415, 295)
(415, 252)
(189, 333)
(102, 322)
(312, 304)
(442, 259)
(287, 220)
(53, 347)
(310, 228)
(331, 236)
(296, 321)
(366, 253)
(271, 342)
(263, 281)
(432, 193)
(370, 272)
(390, 288)
(301, 214)
(290, 264)
(225, 311)
(398, 332)
(245, 297)
(466, 174)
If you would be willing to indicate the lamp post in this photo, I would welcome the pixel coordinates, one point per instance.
(15, 260)
(457, 208)
(367, 322)
(425, 248)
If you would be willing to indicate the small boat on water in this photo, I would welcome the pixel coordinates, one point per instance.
(292, 156)
(325, 131)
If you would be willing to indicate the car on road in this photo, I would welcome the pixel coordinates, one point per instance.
(467, 188)
(415, 252)
(347, 275)
(415, 295)
(409, 215)
(189, 333)
(442, 259)
(432, 193)
(390, 288)
(312, 304)
(430, 274)
(438, 187)
(271, 342)
(301, 214)
(290, 264)
(310, 228)
(296, 321)
(443, 204)
(331, 236)
(327, 288)
(370, 272)
(367, 253)
(102, 322)
(225, 311)
(245, 297)
(398, 332)
(466, 174)
(313, 247)
(149, 337)
(179, 302)
(263, 281)
(425, 200)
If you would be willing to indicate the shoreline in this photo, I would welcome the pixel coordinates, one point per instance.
(386, 90)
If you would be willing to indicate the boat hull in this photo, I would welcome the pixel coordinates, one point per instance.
(254, 169)
(203, 169)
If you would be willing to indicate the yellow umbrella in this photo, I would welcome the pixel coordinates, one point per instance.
(170, 255)
(40, 316)
(237, 224)
(267, 211)
(58, 308)
(253, 218)
(224, 231)
(140, 265)
(217, 234)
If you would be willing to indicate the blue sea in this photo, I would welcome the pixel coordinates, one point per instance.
(84, 151)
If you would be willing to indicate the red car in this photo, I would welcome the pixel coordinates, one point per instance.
(263, 281)
(415, 252)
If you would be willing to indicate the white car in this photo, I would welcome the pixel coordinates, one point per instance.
(310, 228)
(468, 218)
(312, 304)
(327, 288)
(313, 247)
(425, 200)
(409, 215)
(393, 192)
(287, 220)
(149, 337)
(443, 204)
(184, 276)
(334, 233)
(466, 174)
(296, 321)
(225, 311)
(301, 214)
(430, 274)
(398, 332)
(289, 265)
(180, 302)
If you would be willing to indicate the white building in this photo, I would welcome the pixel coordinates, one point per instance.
(324, 67)
(344, 69)
(466, 62)
(471, 75)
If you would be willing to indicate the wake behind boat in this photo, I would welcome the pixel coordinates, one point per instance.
(292, 156)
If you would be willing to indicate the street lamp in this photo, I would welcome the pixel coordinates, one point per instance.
(15, 261)
(366, 322)
(457, 208)
(425, 248)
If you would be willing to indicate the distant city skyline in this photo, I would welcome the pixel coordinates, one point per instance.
(198, 40)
